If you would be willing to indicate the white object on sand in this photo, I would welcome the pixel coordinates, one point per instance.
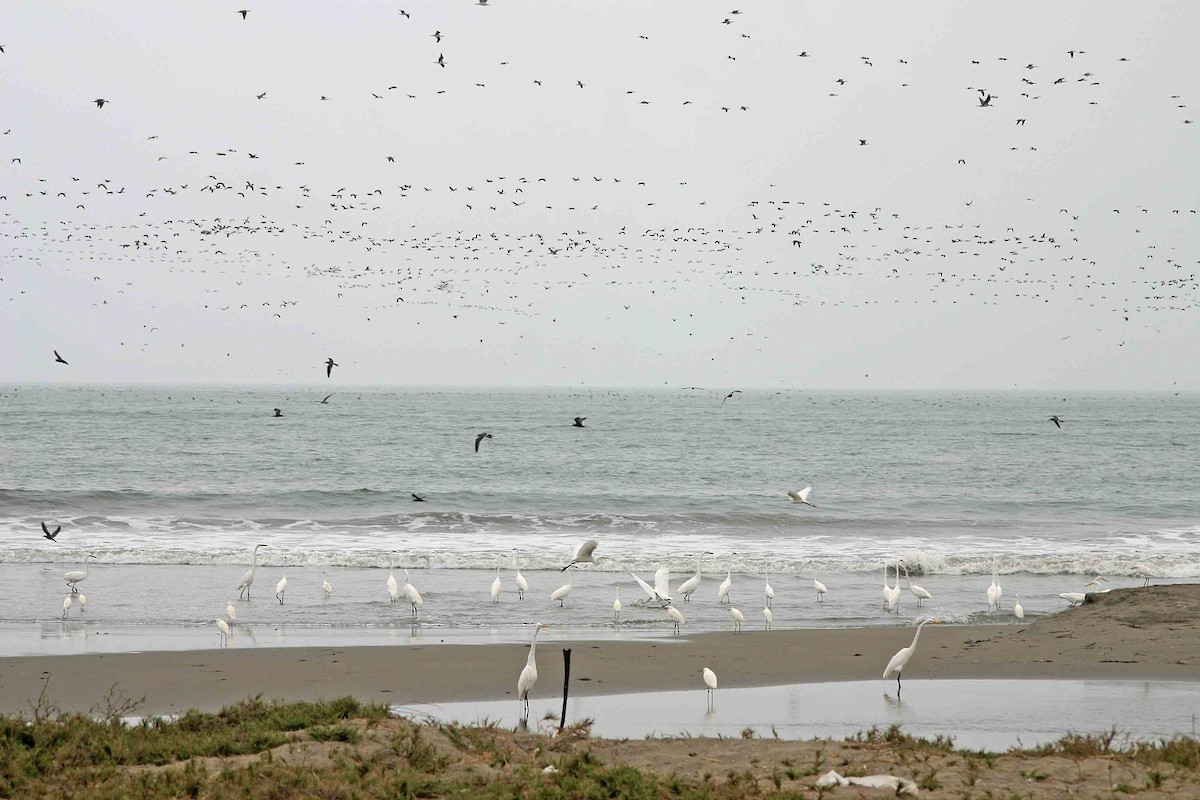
(897, 785)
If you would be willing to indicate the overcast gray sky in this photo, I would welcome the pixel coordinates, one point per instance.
(761, 245)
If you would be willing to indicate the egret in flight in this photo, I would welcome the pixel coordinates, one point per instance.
(585, 554)
(801, 496)
(902, 657)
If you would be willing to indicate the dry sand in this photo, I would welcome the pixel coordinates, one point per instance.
(1138, 633)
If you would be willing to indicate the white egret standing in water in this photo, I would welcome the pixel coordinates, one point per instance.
(617, 606)
(903, 655)
(522, 584)
(918, 592)
(496, 584)
(67, 604)
(243, 586)
(225, 631)
(676, 617)
(1018, 611)
(529, 673)
(691, 584)
(280, 588)
(710, 680)
(738, 619)
(326, 587)
(767, 590)
(561, 592)
(77, 576)
(230, 611)
(727, 584)
(1146, 571)
(411, 594)
(393, 587)
(768, 616)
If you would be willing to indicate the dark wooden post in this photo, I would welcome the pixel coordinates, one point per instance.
(562, 723)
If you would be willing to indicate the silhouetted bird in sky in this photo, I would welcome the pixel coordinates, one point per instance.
(59, 359)
(417, 498)
(731, 394)
(329, 365)
(1057, 422)
(47, 534)
(480, 438)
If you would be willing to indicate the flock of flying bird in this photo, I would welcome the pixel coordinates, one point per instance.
(521, 244)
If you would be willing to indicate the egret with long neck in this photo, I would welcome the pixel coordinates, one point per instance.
(243, 586)
(529, 673)
(896, 665)
(691, 584)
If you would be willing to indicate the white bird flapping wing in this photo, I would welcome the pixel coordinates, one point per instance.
(800, 496)
(662, 580)
(651, 595)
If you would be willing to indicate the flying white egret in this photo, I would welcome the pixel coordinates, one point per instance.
(1146, 571)
(767, 590)
(529, 673)
(917, 591)
(1073, 598)
(617, 606)
(738, 619)
(522, 584)
(496, 584)
(393, 587)
(67, 604)
(994, 592)
(230, 611)
(896, 665)
(891, 594)
(676, 616)
(727, 584)
(768, 616)
(584, 555)
(280, 588)
(411, 594)
(326, 587)
(1018, 611)
(710, 681)
(691, 584)
(243, 586)
(560, 594)
(225, 631)
(801, 496)
(76, 576)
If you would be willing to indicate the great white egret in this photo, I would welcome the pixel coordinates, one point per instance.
(1073, 598)
(560, 594)
(496, 584)
(691, 584)
(820, 589)
(727, 584)
(584, 555)
(676, 616)
(76, 576)
(411, 594)
(393, 587)
(1146, 571)
(801, 496)
(710, 681)
(738, 619)
(617, 606)
(768, 616)
(529, 673)
(767, 590)
(994, 592)
(230, 611)
(326, 587)
(891, 594)
(243, 586)
(896, 665)
(522, 584)
(917, 591)
(67, 604)
(280, 588)
(1018, 611)
(225, 631)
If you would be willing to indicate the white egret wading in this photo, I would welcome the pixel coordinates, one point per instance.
(710, 681)
(77, 576)
(691, 584)
(243, 586)
(528, 677)
(902, 657)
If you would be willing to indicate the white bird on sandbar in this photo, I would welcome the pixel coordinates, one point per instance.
(691, 584)
(710, 681)
(1073, 598)
(902, 657)
(243, 586)
(528, 677)
(77, 576)
(411, 594)
(1146, 571)
(801, 496)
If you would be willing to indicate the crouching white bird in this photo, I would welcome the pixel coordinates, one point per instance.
(560, 594)
(902, 657)
(529, 673)
(1073, 598)
(801, 496)
(710, 681)
(676, 617)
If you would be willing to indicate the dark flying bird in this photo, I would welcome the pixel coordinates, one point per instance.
(417, 498)
(59, 359)
(480, 438)
(47, 534)
(1057, 422)
(731, 394)
(579, 421)
(99, 101)
(329, 365)
(437, 36)
(243, 12)
(325, 402)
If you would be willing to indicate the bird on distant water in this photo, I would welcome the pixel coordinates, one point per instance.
(329, 365)
(1057, 422)
(278, 412)
(801, 496)
(579, 422)
(47, 534)
(325, 402)
(584, 555)
(731, 394)
(417, 498)
(59, 359)
(480, 438)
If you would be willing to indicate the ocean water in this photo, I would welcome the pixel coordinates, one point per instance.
(170, 489)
